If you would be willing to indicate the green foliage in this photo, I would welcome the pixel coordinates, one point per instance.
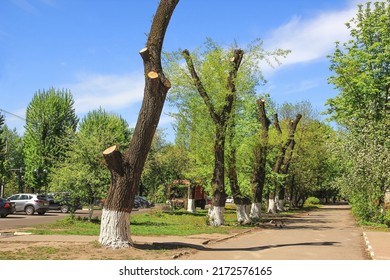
(366, 175)
(165, 163)
(50, 124)
(361, 66)
(2, 151)
(83, 173)
(362, 74)
(312, 201)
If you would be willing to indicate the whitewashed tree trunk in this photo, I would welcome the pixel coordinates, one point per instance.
(280, 206)
(191, 206)
(271, 206)
(255, 210)
(243, 214)
(116, 232)
(215, 214)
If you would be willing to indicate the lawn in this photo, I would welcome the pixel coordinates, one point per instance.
(156, 222)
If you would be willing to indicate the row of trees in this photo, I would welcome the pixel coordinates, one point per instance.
(226, 133)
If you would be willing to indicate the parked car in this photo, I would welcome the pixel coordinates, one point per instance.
(30, 203)
(63, 202)
(6, 207)
(142, 202)
(229, 200)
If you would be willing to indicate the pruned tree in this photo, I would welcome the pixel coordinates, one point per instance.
(260, 155)
(282, 162)
(126, 168)
(220, 117)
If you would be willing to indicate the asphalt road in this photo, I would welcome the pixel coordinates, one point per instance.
(329, 233)
(21, 220)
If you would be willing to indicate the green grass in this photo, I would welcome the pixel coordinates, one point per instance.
(158, 222)
(179, 223)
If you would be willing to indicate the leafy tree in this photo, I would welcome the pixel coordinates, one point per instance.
(2, 151)
(362, 74)
(362, 68)
(213, 81)
(50, 124)
(83, 173)
(13, 164)
(164, 164)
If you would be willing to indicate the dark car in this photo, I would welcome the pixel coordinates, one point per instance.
(63, 202)
(6, 207)
(143, 202)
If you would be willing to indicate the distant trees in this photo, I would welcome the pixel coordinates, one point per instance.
(2, 151)
(83, 172)
(50, 125)
(362, 75)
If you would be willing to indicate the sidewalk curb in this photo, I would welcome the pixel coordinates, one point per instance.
(368, 246)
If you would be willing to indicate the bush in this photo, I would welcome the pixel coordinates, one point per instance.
(312, 201)
(387, 218)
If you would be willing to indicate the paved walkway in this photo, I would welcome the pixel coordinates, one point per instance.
(329, 233)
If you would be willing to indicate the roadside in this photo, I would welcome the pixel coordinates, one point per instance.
(328, 233)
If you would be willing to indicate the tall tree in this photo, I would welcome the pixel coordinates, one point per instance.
(126, 168)
(362, 68)
(50, 123)
(362, 74)
(220, 116)
(2, 151)
(13, 163)
(260, 160)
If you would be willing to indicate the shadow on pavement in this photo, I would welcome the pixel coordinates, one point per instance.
(178, 245)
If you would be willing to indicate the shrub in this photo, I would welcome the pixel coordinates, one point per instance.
(312, 201)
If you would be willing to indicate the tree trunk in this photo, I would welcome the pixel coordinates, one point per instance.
(218, 182)
(259, 172)
(191, 199)
(126, 168)
(242, 203)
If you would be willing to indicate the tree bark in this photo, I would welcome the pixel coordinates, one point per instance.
(126, 168)
(259, 171)
(242, 203)
(191, 199)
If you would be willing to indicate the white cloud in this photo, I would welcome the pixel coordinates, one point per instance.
(111, 92)
(313, 38)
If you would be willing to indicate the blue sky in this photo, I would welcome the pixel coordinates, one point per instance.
(91, 47)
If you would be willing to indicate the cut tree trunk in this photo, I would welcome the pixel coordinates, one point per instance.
(126, 168)
(259, 171)
(221, 119)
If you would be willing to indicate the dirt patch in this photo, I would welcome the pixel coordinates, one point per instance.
(88, 251)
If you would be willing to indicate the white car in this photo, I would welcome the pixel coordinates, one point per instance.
(30, 203)
(229, 200)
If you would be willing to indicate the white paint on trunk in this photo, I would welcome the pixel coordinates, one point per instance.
(216, 216)
(280, 206)
(243, 214)
(191, 206)
(271, 206)
(255, 210)
(115, 229)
